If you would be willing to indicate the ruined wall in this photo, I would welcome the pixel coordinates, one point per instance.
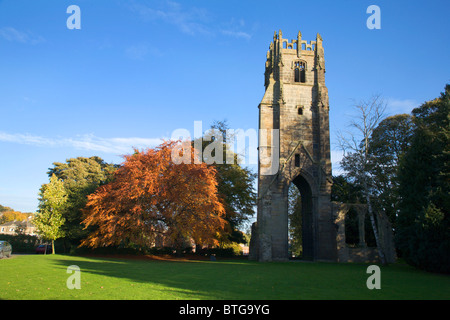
(362, 253)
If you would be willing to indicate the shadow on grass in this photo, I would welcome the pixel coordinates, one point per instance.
(236, 280)
(181, 279)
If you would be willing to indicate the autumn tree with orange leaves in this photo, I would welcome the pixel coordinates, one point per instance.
(150, 195)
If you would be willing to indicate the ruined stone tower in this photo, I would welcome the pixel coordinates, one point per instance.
(294, 147)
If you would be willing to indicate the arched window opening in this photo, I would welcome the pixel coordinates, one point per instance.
(299, 71)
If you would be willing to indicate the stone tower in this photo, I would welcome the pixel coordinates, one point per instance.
(294, 147)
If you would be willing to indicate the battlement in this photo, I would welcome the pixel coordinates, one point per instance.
(305, 46)
(295, 44)
(295, 61)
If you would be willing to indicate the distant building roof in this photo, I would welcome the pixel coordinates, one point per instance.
(10, 227)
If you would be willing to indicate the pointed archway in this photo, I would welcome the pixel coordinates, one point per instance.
(307, 234)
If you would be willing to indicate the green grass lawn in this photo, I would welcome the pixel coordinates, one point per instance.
(44, 277)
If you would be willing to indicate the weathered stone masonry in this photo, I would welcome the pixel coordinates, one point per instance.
(295, 104)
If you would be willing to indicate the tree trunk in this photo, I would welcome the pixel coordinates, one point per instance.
(374, 226)
(369, 204)
(53, 246)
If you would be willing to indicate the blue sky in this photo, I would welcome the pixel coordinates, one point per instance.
(138, 70)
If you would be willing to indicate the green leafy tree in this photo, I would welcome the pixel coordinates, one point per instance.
(81, 177)
(4, 209)
(345, 191)
(49, 219)
(387, 145)
(423, 225)
(235, 184)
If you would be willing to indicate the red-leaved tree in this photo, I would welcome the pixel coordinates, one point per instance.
(150, 195)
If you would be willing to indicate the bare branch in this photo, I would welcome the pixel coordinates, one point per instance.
(369, 114)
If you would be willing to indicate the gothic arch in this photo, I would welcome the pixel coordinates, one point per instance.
(308, 219)
(300, 173)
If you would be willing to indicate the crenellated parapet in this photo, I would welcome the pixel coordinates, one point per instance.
(295, 61)
(296, 45)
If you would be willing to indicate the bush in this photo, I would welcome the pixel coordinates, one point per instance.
(21, 243)
(227, 251)
(108, 250)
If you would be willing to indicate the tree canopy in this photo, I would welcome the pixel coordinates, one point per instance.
(52, 202)
(4, 208)
(423, 228)
(80, 176)
(235, 186)
(12, 215)
(150, 196)
(388, 143)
